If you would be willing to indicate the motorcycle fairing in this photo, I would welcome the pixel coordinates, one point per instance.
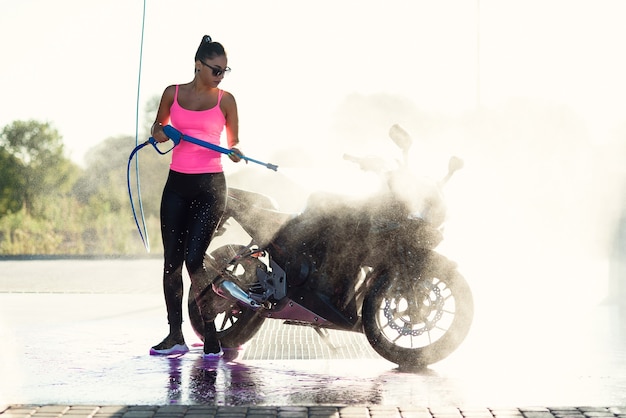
(306, 305)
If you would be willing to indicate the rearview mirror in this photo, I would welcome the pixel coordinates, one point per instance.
(401, 138)
(455, 164)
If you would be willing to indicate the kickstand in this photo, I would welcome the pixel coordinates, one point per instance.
(323, 333)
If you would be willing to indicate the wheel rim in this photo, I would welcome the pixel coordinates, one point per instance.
(225, 320)
(416, 314)
(226, 313)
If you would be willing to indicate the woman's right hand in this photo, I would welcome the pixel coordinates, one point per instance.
(158, 134)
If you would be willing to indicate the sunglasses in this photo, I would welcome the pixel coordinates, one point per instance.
(216, 70)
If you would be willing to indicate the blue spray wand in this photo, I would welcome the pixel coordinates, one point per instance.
(176, 136)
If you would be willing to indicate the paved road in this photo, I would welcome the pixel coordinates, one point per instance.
(77, 333)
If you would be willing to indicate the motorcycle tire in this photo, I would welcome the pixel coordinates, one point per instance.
(416, 316)
(235, 324)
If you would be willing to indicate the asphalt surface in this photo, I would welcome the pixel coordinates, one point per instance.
(76, 333)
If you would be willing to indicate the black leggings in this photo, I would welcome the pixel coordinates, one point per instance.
(191, 209)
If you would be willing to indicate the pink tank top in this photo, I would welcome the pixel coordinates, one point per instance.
(206, 125)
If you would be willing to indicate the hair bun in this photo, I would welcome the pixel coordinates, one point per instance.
(206, 38)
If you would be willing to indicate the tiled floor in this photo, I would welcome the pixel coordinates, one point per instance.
(374, 411)
(276, 341)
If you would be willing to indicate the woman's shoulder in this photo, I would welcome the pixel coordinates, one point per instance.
(228, 104)
(227, 96)
(171, 87)
(170, 91)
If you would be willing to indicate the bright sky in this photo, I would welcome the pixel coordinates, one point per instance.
(75, 62)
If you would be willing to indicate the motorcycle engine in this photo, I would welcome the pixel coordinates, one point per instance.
(299, 268)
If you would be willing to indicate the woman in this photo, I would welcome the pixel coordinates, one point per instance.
(194, 195)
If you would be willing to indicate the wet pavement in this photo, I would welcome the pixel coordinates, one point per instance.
(76, 333)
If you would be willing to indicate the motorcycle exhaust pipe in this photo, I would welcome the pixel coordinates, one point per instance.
(231, 291)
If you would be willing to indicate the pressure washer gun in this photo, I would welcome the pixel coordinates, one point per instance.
(176, 136)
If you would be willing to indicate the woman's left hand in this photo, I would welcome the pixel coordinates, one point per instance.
(235, 155)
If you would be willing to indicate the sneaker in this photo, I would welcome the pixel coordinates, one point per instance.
(213, 355)
(212, 349)
(169, 346)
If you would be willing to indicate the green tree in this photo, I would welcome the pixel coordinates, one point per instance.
(103, 191)
(37, 213)
(36, 158)
(48, 205)
(11, 183)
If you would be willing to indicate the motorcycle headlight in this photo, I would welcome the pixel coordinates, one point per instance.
(431, 209)
(424, 200)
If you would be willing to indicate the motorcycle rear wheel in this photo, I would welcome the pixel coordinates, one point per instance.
(235, 324)
(419, 315)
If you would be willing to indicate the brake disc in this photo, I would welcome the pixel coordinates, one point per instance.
(407, 327)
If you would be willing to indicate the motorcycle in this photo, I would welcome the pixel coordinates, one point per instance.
(362, 265)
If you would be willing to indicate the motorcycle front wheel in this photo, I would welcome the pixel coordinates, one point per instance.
(235, 324)
(416, 316)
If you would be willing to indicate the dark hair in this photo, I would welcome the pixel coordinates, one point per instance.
(209, 49)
